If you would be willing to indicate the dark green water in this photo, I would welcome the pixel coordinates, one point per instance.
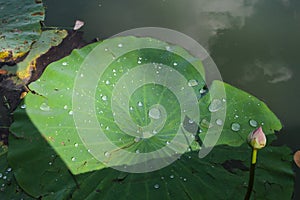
(255, 43)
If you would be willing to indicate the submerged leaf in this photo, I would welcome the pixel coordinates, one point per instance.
(47, 40)
(20, 27)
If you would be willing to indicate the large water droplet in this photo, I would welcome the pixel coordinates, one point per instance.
(253, 123)
(156, 186)
(120, 45)
(215, 105)
(45, 107)
(140, 104)
(172, 176)
(175, 63)
(192, 83)
(65, 107)
(64, 63)
(76, 144)
(71, 112)
(73, 159)
(154, 113)
(235, 126)
(23, 106)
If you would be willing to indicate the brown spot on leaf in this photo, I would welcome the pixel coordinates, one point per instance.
(3, 72)
(37, 13)
(297, 158)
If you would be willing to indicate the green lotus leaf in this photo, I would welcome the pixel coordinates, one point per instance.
(19, 27)
(244, 113)
(56, 111)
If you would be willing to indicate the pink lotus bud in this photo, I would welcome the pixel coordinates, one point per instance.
(297, 158)
(257, 139)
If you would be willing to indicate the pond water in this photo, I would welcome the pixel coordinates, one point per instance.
(255, 43)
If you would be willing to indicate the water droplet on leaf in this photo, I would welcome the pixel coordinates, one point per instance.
(44, 107)
(106, 154)
(154, 113)
(192, 83)
(104, 98)
(215, 105)
(202, 91)
(219, 122)
(235, 126)
(253, 123)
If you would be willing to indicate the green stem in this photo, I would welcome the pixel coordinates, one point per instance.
(251, 175)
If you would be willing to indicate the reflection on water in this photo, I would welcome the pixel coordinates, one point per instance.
(255, 43)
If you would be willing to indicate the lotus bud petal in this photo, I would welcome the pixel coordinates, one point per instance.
(297, 158)
(257, 139)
